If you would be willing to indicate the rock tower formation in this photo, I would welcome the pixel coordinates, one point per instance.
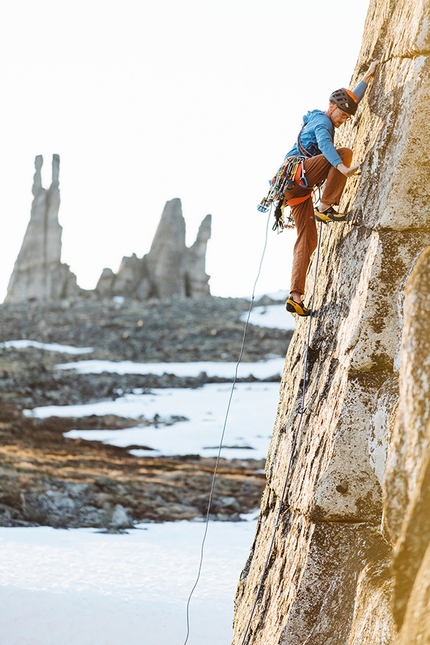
(39, 273)
(170, 268)
(350, 559)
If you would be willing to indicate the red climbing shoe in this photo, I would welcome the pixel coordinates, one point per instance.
(297, 308)
(329, 215)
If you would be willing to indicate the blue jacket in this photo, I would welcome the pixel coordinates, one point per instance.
(317, 134)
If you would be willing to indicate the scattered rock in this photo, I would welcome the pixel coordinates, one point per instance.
(46, 478)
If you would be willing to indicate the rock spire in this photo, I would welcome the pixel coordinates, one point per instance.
(39, 273)
(169, 269)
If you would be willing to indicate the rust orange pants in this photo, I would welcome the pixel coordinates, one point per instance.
(317, 170)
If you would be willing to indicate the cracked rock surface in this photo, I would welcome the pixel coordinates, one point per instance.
(347, 563)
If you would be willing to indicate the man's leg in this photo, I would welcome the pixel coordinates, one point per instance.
(317, 170)
(307, 238)
(335, 181)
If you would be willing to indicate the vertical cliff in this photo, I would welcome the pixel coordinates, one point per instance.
(346, 558)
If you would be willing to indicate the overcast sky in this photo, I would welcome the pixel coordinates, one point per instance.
(147, 101)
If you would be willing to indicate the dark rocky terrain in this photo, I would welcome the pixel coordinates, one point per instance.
(48, 479)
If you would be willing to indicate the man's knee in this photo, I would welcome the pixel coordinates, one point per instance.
(346, 155)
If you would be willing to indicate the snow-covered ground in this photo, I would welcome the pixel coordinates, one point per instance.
(249, 425)
(274, 316)
(261, 369)
(82, 587)
(49, 347)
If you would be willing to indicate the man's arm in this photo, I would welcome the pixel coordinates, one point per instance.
(325, 142)
(361, 88)
(366, 78)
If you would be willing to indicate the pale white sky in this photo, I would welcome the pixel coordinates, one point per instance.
(147, 101)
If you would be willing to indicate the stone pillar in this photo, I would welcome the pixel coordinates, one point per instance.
(170, 268)
(38, 273)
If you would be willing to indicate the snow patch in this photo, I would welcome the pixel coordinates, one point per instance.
(50, 347)
(272, 316)
(260, 370)
(82, 586)
(247, 435)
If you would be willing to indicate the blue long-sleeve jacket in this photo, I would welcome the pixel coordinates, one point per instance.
(317, 134)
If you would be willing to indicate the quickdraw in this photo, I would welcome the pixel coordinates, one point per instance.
(280, 222)
(282, 181)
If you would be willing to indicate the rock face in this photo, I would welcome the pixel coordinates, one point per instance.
(170, 268)
(39, 273)
(341, 554)
(406, 518)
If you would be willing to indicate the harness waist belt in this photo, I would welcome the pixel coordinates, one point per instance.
(294, 201)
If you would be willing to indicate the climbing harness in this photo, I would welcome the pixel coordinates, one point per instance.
(294, 442)
(309, 152)
(291, 171)
(218, 457)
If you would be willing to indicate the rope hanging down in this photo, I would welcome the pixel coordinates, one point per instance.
(245, 329)
(296, 435)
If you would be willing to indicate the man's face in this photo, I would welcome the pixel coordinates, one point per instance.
(337, 116)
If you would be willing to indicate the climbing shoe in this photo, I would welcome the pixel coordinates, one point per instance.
(297, 308)
(330, 215)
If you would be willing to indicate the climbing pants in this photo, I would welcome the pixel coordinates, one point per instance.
(317, 170)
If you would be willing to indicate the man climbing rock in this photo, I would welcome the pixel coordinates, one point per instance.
(318, 160)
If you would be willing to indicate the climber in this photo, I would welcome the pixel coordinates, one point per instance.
(319, 161)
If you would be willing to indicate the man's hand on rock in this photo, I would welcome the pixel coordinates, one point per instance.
(370, 72)
(348, 171)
